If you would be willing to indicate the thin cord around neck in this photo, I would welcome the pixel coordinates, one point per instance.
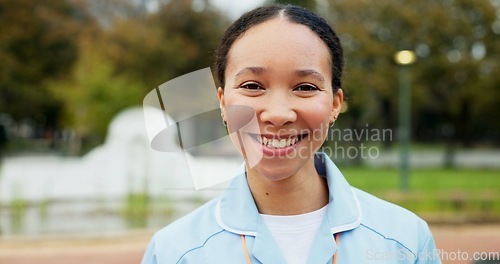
(249, 261)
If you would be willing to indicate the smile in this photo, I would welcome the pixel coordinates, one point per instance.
(277, 143)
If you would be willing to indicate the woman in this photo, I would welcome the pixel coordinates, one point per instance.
(289, 204)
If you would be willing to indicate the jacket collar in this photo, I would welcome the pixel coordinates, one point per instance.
(236, 211)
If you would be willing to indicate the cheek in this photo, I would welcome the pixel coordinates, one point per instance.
(318, 112)
(234, 98)
(317, 118)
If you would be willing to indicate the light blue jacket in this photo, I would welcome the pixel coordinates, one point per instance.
(371, 230)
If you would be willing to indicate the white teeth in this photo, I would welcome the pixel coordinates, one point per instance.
(277, 143)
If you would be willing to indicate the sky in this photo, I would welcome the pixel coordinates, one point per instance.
(236, 8)
(232, 8)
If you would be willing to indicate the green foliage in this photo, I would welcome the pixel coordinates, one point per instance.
(171, 42)
(137, 210)
(309, 4)
(18, 206)
(471, 192)
(93, 94)
(64, 69)
(37, 42)
(457, 45)
(117, 67)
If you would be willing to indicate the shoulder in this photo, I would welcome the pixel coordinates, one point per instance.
(393, 222)
(380, 212)
(186, 234)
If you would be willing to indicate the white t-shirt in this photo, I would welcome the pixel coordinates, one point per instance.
(295, 233)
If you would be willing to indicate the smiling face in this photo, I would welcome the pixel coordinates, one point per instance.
(282, 70)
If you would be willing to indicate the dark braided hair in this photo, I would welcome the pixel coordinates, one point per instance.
(294, 14)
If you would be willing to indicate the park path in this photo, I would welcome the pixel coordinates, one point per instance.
(455, 240)
(128, 248)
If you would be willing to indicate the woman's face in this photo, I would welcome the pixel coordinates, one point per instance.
(282, 71)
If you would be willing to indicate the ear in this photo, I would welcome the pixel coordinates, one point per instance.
(222, 103)
(338, 100)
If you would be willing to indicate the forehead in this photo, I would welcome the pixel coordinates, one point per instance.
(280, 41)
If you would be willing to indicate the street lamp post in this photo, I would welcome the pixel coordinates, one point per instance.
(404, 58)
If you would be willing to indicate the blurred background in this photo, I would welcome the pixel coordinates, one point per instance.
(80, 183)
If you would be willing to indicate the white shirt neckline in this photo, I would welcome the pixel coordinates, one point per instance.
(295, 234)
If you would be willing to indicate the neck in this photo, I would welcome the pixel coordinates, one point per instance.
(303, 192)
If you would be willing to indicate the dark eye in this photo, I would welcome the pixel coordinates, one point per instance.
(306, 88)
(251, 86)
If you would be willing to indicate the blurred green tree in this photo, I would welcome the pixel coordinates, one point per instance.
(37, 43)
(129, 54)
(93, 94)
(180, 37)
(455, 79)
(309, 4)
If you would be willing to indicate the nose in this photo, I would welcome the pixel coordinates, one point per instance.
(278, 110)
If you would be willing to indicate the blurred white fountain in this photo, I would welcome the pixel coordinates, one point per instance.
(125, 164)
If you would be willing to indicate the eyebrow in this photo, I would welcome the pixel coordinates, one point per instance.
(299, 73)
(254, 70)
(308, 72)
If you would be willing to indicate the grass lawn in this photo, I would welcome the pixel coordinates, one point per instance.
(472, 192)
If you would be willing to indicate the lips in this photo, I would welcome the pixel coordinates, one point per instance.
(276, 142)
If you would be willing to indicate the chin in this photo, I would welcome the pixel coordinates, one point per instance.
(274, 175)
(278, 169)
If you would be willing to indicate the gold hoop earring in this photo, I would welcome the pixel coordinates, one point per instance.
(223, 121)
(332, 122)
